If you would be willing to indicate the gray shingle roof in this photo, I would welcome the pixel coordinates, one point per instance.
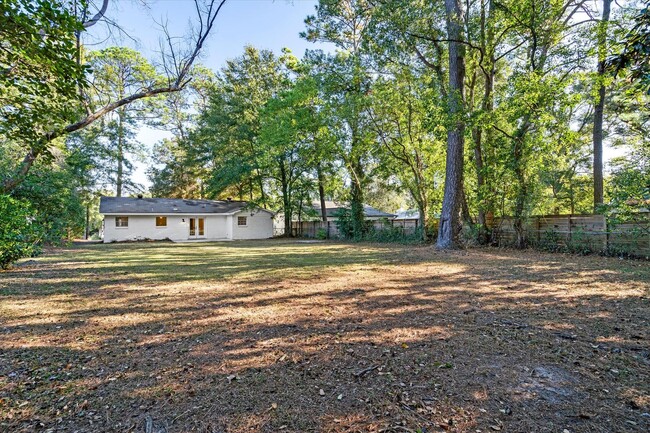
(332, 208)
(166, 206)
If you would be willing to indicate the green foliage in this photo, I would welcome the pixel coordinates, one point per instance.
(385, 233)
(628, 190)
(53, 193)
(344, 223)
(39, 72)
(19, 236)
(635, 57)
(116, 73)
(226, 140)
(321, 234)
(391, 234)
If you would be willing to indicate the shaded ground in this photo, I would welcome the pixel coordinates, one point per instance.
(280, 336)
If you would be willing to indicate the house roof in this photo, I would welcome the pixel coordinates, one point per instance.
(332, 208)
(166, 206)
(409, 214)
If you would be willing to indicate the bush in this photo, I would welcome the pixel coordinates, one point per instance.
(344, 223)
(321, 234)
(393, 235)
(19, 237)
(550, 241)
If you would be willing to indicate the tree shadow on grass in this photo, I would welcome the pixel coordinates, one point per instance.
(454, 342)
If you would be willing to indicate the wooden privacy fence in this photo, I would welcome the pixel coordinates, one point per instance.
(591, 232)
(329, 229)
(578, 232)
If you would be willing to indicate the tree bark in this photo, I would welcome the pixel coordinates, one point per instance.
(600, 106)
(449, 227)
(87, 221)
(119, 179)
(286, 201)
(356, 201)
(321, 193)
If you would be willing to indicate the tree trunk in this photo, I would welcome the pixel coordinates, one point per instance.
(481, 135)
(449, 217)
(423, 221)
(599, 107)
(521, 186)
(321, 193)
(120, 154)
(356, 200)
(87, 221)
(464, 209)
(286, 201)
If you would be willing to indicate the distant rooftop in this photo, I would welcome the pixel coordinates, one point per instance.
(333, 207)
(135, 205)
(409, 214)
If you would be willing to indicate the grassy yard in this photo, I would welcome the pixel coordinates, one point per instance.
(284, 336)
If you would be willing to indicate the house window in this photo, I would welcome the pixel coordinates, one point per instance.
(241, 221)
(121, 221)
(161, 221)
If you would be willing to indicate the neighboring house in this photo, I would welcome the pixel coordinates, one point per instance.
(311, 225)
(407, 215)
(332, 209)
(128, 218)
(408, 219)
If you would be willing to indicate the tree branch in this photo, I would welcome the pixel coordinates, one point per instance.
(181, 80)
(98, 16)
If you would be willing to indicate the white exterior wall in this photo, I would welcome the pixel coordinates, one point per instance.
(178, 228)
(259, 226)
(216, 227)
(144, 227)
(141, 227)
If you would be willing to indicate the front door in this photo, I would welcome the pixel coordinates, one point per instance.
(197, 227)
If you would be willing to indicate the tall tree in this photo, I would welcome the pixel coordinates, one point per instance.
(599, 104)
(406, 119)
(117, 72)
(171, 171)
(449, 227)
(289, 125)
(346, 82)
(227, 137)
(39, 76)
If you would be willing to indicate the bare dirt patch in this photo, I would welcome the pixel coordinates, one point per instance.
(279, 336)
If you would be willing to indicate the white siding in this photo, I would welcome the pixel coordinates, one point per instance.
(178, 228)
(141, 227)
(144, 227)
(216, 227)
(259, 226)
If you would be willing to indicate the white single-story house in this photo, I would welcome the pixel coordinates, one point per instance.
(138, 218)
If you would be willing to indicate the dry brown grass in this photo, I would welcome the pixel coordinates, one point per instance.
(243, 336)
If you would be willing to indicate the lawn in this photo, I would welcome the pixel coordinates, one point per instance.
(287, 336)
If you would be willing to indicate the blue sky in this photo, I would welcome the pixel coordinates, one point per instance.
(270, 24)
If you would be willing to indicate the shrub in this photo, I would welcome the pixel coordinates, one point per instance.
(550, 241)
(344, 223)
(321, 234)
(19, 237)
(394, 235)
